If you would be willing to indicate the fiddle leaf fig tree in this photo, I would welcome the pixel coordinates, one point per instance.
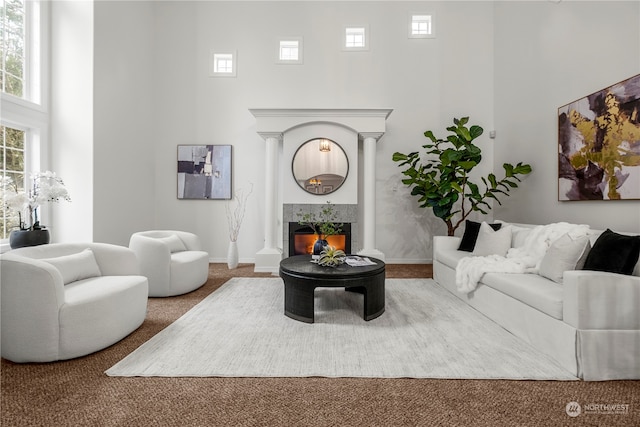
(441, 180)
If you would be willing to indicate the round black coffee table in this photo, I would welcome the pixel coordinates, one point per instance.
(301, 277)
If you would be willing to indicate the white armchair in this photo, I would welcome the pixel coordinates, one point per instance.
(171, 260)
(66, 300)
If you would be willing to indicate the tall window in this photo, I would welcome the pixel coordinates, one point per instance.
(12, 166)
(24, 119)
(12, 72)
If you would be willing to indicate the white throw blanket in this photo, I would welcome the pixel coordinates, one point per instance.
(523, 259)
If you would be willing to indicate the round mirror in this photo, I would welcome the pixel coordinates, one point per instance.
(320, 166)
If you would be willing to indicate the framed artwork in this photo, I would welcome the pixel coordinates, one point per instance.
(599, 144)
(204, 172)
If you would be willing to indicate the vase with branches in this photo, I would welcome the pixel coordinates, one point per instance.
(235, 216)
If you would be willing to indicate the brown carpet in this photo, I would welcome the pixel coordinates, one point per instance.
(78, 393)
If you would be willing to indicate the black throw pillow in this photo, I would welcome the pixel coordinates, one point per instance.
(471, 231)
(613, 253)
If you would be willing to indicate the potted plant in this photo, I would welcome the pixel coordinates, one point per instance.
(441, 181)
(46, 187)
(323, 225)
(331, 257)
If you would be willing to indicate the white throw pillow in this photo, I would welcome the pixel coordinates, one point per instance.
(76, 267)
(565, 253)
(174, 243)
(492, 242)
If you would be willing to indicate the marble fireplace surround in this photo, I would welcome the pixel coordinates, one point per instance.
(284, 130)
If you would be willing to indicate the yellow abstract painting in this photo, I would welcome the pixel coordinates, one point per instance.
(599, 144)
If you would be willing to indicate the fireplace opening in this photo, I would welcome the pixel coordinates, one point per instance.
(302, 238)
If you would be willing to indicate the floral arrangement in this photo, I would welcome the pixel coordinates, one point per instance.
(46, 187)
(322, 225)
(235, 216)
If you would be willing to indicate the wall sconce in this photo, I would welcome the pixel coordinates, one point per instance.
(325, 145)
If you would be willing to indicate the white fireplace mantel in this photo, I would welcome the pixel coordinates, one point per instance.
(368, 125)
(280, 120)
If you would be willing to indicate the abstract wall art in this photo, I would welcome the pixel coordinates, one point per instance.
(204, 172)
(599, 144)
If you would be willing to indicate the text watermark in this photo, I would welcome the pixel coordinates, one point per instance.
(574, 409)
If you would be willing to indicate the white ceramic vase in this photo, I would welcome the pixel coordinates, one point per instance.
(232, 255)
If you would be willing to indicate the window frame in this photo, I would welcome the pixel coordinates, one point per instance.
(30, 113)
(213, 63)
(345, 35)
(36, 57)
(299, 60)
(431, 35)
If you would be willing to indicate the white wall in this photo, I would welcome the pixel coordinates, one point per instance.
(123, 116)
(548, 55)
(414, 77)
(176, 76)
(72, 150)
(507, 65)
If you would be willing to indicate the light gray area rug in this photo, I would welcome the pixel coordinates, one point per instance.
(240, 330)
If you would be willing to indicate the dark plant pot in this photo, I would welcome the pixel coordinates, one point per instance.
(319, 245)
(22, 238)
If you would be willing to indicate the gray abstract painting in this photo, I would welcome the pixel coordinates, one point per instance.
(204, 172)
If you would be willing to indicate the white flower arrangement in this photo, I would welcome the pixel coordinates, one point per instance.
(46, 187)
(235, 217)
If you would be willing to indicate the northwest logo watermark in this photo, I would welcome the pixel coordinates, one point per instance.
(574, 409)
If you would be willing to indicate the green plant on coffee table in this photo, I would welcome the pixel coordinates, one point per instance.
(331, 257)
(323, 224)
(442, 179)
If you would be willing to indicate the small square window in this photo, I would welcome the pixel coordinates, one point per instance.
(222, 64)
(290, 50)
(355, 38)
(421, 26)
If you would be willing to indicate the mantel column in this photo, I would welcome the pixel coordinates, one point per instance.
(270, 255)
(369, 140)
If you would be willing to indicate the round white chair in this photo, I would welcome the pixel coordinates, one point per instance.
(66, 300)
(171, 260)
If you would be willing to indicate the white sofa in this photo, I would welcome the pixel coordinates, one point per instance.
(589, 323)
(172, 260)
(66, 300)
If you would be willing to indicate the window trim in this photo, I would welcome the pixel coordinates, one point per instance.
(299, 60)
(31, 112)
(35, 87)
(212, 63)
(35, 153)
(366, 34)
(431, 35)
